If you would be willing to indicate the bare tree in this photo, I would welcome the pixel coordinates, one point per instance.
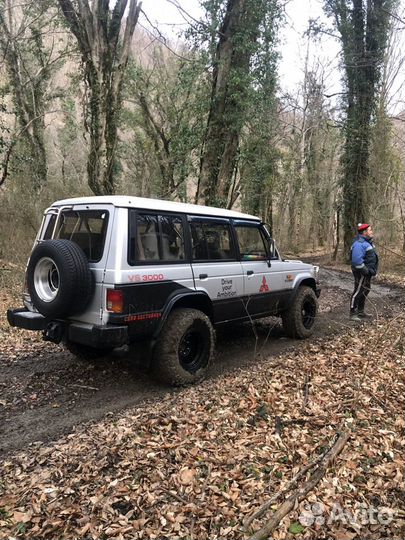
(28, 64)
(97, 29)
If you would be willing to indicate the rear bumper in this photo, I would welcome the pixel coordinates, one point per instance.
(98, 336)
(22, 318)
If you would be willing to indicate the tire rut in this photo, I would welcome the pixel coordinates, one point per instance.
(45, 392)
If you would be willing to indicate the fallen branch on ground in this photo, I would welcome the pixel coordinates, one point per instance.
(306, 391)
(285, 490)
(299, 495)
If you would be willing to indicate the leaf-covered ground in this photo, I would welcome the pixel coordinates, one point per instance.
(201, 461)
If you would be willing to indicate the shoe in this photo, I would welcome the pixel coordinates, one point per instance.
(355, 317)
(364, 315)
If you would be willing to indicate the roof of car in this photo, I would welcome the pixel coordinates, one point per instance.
(155, 204)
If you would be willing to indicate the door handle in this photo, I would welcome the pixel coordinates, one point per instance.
(203, 276)
(249, 273)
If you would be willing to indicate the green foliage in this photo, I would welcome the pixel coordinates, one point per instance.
(259, 155)
(296, 528)
(240, 38)
(4, 129)
(385, 182)
(277, 157)
(363, 27)
(20, 528)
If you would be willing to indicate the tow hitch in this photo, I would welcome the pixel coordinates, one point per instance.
(54, 332)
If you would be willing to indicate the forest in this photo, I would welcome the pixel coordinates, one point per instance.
(96, 99)
(165, 372)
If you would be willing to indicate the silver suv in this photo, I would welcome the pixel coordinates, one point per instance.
(110, 271)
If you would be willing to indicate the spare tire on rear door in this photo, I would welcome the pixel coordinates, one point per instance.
(59, 278)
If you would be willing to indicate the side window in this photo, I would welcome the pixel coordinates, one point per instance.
(172, 238)
(155, 237)
(211, 241)
(146, 239)
(251, 243)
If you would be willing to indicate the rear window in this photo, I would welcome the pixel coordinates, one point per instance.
(87, 228)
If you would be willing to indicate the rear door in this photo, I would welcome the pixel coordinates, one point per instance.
(216, 270)
(89, 226)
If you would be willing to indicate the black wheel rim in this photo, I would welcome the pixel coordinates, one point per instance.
(191, 349)
(308, 312)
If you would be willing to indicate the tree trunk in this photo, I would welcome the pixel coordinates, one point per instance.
(97, 28)
(363, 30)
(230, 84)
(28, 79)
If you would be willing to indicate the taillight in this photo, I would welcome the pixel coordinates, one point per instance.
(115, 301)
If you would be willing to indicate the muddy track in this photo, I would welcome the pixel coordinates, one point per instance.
(45, 392)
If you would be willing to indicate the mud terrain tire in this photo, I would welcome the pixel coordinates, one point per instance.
(299, 319)
(184, 349)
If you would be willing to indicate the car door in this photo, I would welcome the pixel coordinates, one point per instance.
(216, 270)
(264, 288)
(89, 226)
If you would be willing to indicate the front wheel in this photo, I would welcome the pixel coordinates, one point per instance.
(184, 348)
(299, 319)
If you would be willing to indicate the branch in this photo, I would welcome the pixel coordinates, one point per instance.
(87, 21)
(335, 94)
(290, 503)
(160, 37)
(393, 15)
(133, 16)
(72, 18)
(248, 521)
(186, 17)
(185, 13)
(116, 19)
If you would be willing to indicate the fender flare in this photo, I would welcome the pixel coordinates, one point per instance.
(185, 299)
(303, 280)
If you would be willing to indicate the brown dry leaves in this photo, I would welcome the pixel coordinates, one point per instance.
(199, 462)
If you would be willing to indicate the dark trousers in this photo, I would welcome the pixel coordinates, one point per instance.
(362, 286)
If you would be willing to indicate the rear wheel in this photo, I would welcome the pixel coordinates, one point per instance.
(184, 348)
(299, 319)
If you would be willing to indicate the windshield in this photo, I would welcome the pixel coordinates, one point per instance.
(87, 228)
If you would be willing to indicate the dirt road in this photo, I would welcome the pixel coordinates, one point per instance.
(45, 392)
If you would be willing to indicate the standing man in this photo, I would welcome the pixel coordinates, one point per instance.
(364, 260)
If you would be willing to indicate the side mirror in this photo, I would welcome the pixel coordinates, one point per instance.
(271, 249)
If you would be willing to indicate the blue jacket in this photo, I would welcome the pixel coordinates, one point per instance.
(364, 256)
